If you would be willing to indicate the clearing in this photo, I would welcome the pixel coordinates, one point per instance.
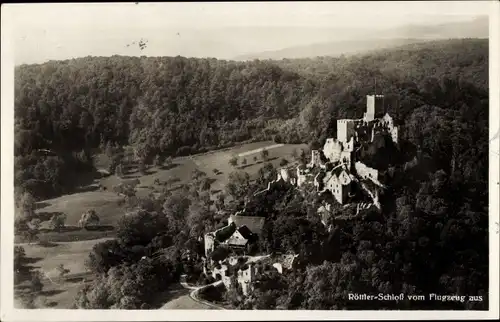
(57, 293)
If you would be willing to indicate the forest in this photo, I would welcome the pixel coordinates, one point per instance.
(177, 106)
(431, 235)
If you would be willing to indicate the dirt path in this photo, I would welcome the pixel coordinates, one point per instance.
(259, 150)
(191, 301)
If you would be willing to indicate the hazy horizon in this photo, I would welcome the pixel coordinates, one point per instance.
(45, 32)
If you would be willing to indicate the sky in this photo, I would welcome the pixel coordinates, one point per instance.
(41, 32)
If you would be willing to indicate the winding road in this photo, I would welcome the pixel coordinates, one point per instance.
(191, 300)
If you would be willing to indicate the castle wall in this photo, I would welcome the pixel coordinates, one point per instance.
(394, 135)
(301, 177)
(315, 159)
(209, 244)
(349, 145)
(345, 130)
(366, 172)
(332, 149)
(245, 278)
(284, 174)
(346, 157)
(374, 107)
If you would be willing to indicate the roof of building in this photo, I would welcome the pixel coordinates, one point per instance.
(245, 232)
(253, 223)
(224, 233)
(337, 171)
(233, 241)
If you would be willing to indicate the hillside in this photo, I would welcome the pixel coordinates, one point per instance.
(368, 40)
(335, 48)
(177, 106)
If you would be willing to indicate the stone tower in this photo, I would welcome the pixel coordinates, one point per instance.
(374, 107)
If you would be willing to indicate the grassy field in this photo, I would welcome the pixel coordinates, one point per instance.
(71, 254)
(109, 206)
(57, 293)
(107, 203)
(182, 168)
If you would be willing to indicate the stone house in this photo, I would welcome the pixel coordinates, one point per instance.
(237, 235)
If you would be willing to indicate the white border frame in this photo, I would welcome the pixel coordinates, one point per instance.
(8, 313)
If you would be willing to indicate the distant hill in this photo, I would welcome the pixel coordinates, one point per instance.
(336, 48)
(411, 34)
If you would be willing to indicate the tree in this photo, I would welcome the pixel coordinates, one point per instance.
(238, 185)
(142, 166)
(89, 218)
(303, 157)
(57, 221)
(27, 205)
(220, 201)
(159, 160)
(233, 161)
(36, 284)
(244, 161)
(105, 255)
(197, 174)
(19, 256)
(168, 162)
(200, 219)
(206, 184)
(33, 230)
(283, 162)
(20, 225)
(62, 271)
(295, 155)
(119, 170)
(264, 154)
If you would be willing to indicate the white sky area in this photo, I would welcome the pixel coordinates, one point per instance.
(41, 32)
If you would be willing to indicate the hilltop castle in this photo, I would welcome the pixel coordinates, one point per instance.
(342, 158)
(342, 170)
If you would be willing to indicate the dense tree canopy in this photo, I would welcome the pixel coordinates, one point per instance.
(176, 105)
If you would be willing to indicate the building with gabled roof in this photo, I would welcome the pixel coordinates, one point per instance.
(253, 223)
(237, 234)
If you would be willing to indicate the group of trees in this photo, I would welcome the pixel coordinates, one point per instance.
(33, 277)
(156, 242)
(233, 161)
(27, 222)
(177, 106)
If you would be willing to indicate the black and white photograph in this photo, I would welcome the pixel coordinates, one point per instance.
(311, 158)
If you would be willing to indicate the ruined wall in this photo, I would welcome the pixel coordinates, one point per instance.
(315, 159)
(345, 130)
(209, 244)
(349, 145)
(346, 157)
(366, 172)
(332, 149)
(245, 278)
(374, 107)
(394, 135)
(301, 177)
(284, 174)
